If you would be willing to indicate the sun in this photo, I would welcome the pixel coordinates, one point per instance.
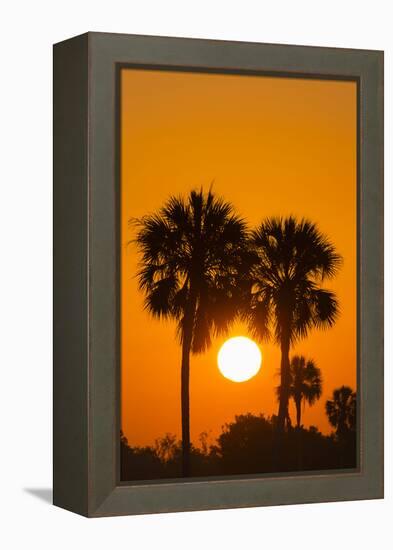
(239, 359)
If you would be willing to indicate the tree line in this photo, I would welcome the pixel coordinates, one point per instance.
(247, 445)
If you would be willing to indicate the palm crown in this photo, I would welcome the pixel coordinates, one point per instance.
(194, 251)
(306, 383)
(294, 258)
(341, 410)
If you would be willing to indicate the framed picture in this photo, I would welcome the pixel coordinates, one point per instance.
(218, 274)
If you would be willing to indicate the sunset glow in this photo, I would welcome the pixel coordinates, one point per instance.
(271, 147)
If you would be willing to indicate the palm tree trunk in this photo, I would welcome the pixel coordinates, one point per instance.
(188, 325)
(298, 403)
(185, 403)
(285, 376)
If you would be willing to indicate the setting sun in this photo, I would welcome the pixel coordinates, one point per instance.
(239, 359)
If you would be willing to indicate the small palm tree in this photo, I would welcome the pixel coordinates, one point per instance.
(341, 410)
(287, 301)
(194, 269)
(305, 384)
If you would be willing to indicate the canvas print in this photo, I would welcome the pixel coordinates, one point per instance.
(238, 274)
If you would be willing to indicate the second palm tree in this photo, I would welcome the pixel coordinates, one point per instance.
(294, 259)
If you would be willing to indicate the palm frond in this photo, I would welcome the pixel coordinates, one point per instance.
(195, 246)
(341, 410)
(293, 258)
(305, 381)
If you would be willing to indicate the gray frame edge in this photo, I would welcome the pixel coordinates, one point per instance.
(70, 265)
(97, 469)
(371, 222)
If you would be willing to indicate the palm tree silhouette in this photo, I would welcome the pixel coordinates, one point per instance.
(341, 410)
(194, 269)
(305, 384)
(287, 301)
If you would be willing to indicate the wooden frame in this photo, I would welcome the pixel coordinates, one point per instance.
(86, 358)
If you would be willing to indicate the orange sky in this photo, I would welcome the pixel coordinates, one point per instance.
(272, 146)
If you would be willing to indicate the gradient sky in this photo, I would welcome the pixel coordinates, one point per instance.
(272, 146)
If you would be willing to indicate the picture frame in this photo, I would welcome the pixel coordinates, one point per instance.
(86, 379)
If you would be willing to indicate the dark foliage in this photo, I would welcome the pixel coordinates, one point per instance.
(194, 252)
(341, 411)
(248, 445)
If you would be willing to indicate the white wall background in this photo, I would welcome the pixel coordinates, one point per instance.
(28, 30)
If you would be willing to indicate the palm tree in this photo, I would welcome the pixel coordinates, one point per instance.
(194, 269)
(287, 301)
(305, 384)
(341, 410)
